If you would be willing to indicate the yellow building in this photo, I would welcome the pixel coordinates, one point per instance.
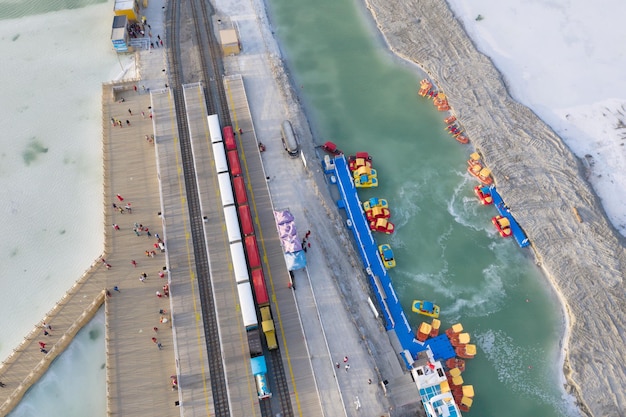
(230, 42)
(128, 8)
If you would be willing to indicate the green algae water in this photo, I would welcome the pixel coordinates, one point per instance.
(364, 99)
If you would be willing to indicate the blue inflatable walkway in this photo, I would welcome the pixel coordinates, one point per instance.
(381, 282)
(518, 233)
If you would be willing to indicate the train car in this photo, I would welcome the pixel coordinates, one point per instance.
(254, 342)
(239, 262)
(229, 138)
(267, 324)
(260, 289)
(240, 190)
(245, 219)
(214, 128)
(259, 370)
(226, 189)
(219, 155)
(232, 224)
(246, 302)
(234, 163)
(252, 249)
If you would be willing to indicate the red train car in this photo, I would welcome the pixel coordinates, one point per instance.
(240, 190)
(233, 163)
(245, 218)
(229, 138)
(260, 290)
(252, 250)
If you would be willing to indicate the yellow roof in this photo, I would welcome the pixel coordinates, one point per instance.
(364, 170)
(457, 380)
(436, 323)
(457, 328)
(228, 36)
(444, 386)
(464, 338)
(466, 401)
(468, 391)
(470, 349)
(504, 222)
(425, 327)
(454, 372)
(475, 156)
(485, 172)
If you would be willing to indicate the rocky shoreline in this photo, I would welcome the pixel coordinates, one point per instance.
(542, 182)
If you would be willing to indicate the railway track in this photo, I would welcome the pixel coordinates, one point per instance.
(211, 70)
(219, 386)
(280, 387)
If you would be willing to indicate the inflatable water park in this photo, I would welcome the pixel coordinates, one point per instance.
(435, 361)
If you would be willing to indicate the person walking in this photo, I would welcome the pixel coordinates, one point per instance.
(116, 227)
(134, 263)
(130, 112)
(347, 367)
(116, 288)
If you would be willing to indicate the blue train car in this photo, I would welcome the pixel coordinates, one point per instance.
(259, 370)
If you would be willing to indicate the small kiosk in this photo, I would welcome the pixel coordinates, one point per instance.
(119, 33)
(128, 8)
(230, 42)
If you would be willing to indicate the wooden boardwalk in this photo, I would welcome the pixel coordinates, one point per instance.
(138, 371)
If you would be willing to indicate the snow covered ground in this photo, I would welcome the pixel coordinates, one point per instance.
(565, 61)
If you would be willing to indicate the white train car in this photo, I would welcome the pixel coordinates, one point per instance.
(219, 154)
(214, 128)
(232, 224)
(246, 302)
(240, 267)
(226, 189)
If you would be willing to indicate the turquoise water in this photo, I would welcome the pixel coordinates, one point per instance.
(360, 97)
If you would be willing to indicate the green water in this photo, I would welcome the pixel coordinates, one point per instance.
(360, 97)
